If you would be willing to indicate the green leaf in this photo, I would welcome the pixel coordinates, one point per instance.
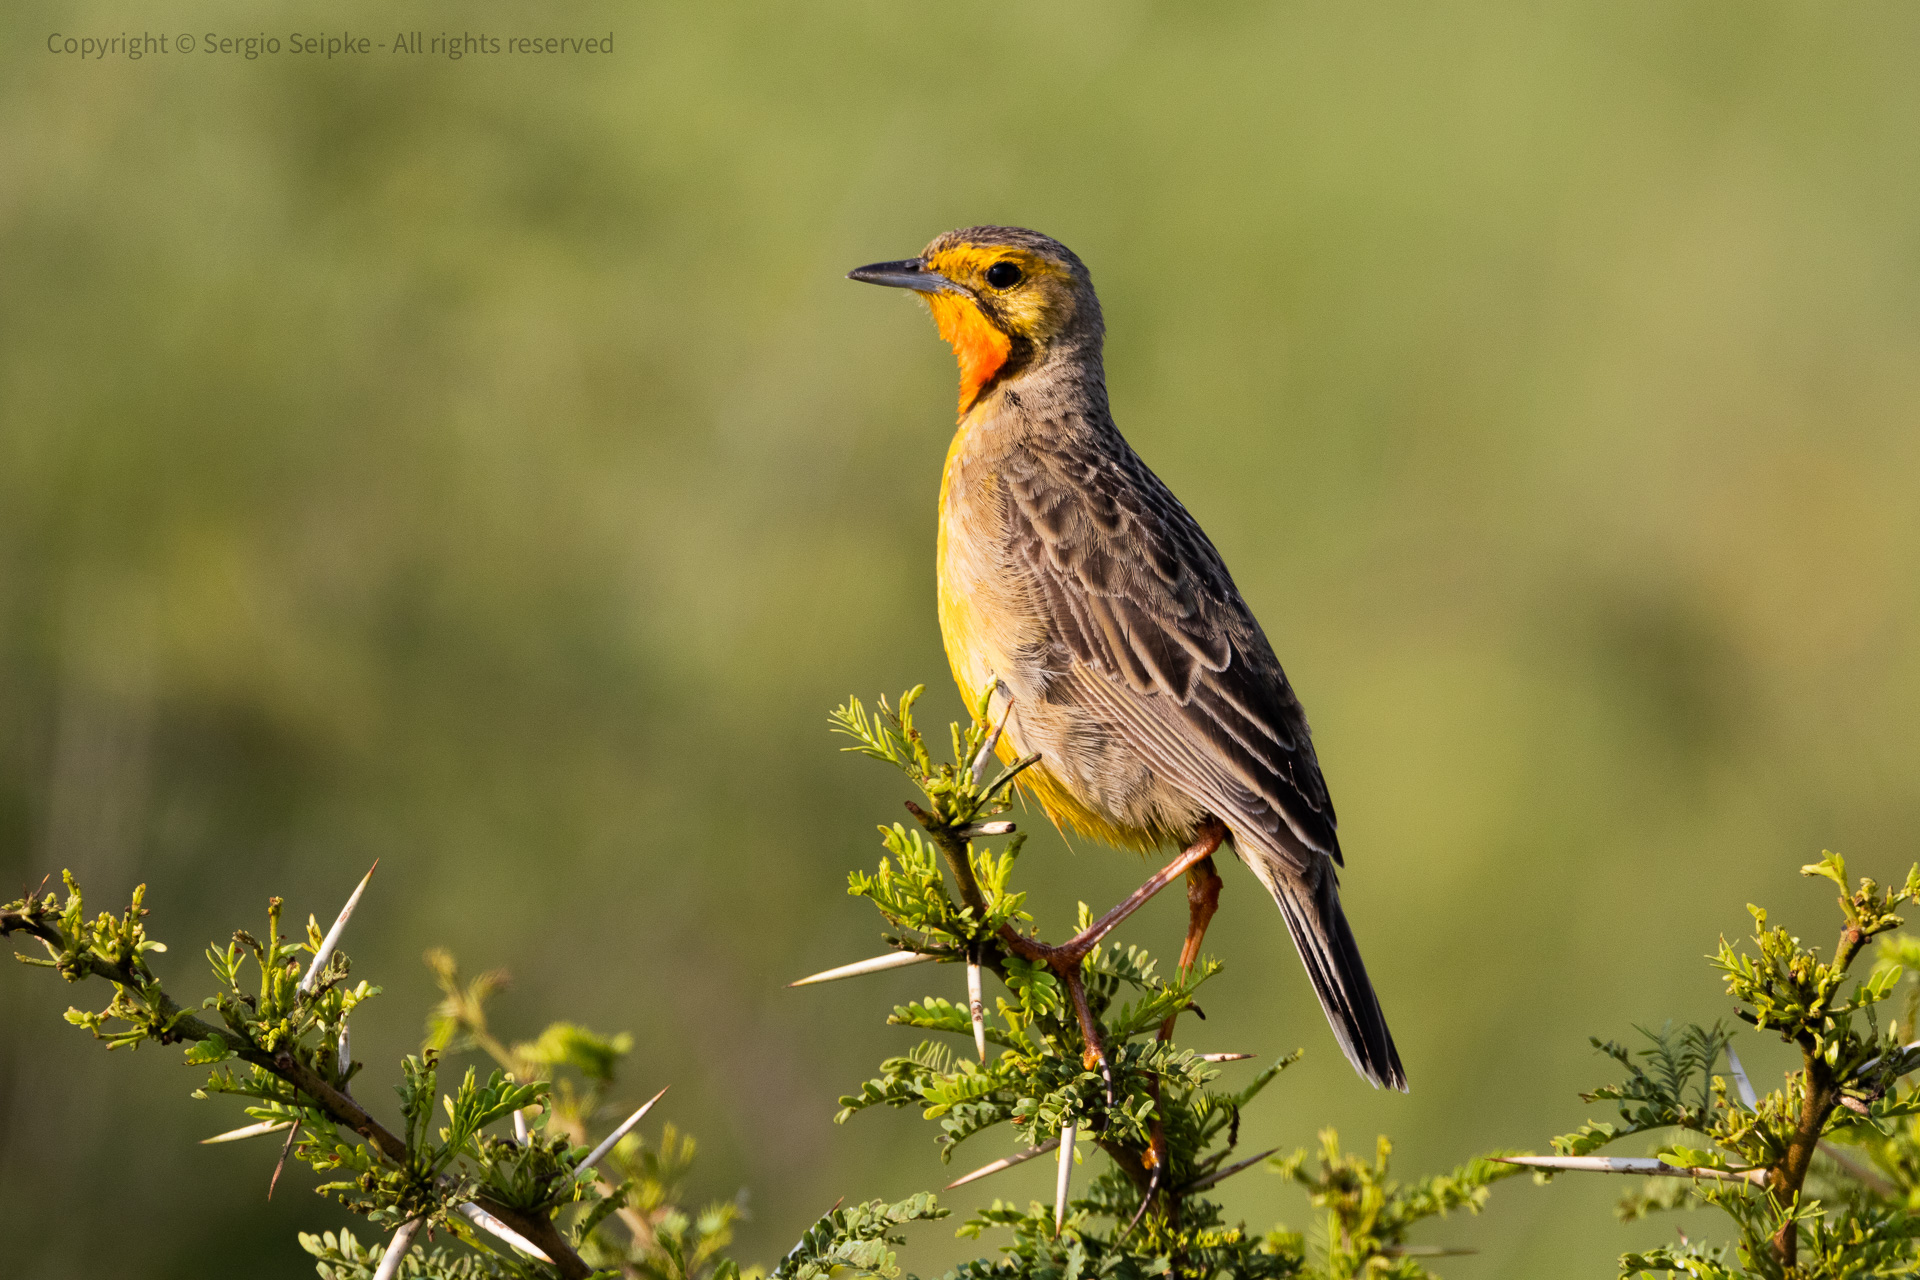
(208, 1051)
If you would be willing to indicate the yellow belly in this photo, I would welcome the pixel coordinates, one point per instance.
(984, 623)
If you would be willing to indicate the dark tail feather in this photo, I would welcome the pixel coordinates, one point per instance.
(1327, 948)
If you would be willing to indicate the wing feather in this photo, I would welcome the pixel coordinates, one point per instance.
(1147, 625)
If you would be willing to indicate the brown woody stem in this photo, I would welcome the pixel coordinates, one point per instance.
(954, 848)
(1822, 1092)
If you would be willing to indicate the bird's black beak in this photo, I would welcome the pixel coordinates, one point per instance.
(908, 273)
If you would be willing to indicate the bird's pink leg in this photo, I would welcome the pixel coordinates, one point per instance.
(1065, 960)
(1203, 899)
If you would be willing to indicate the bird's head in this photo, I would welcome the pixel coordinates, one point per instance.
(1007, 299)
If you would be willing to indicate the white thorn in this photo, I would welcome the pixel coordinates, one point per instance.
(325, 953)
(1874, 1062)
(985, 829)
(520, 1127)
(1019, 1157)
(1225, 1057)
(487, 1222)
(975, 1008)
(250, 1131)
(606, 1144)
(1634, 1164)
(1740, 1081)
(1066, 1177)
(879, 964)
(1221, 1175)
(343, 1051)
(397, 1249)
(993, 740)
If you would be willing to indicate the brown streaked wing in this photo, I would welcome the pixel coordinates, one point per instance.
(1150, 629)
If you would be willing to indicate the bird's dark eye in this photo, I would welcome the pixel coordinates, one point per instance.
(1003, 275)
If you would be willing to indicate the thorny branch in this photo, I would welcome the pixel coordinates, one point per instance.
(77, 961)
(1762, 1149)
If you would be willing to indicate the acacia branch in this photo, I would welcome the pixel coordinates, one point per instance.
(953, 845)
(176, 1025)
(1822, 1095)
(947, 839)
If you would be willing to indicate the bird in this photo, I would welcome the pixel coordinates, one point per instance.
(1076, 586)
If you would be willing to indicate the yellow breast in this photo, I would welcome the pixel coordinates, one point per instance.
(968, 532)
(988, 621)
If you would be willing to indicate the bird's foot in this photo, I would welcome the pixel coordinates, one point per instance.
(1203, 899)
(1066, 960)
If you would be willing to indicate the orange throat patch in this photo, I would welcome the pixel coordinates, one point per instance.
(980, 348)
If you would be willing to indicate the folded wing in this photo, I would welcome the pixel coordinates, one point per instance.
(1148, 629)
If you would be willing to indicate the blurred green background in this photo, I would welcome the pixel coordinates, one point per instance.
(483, 466)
